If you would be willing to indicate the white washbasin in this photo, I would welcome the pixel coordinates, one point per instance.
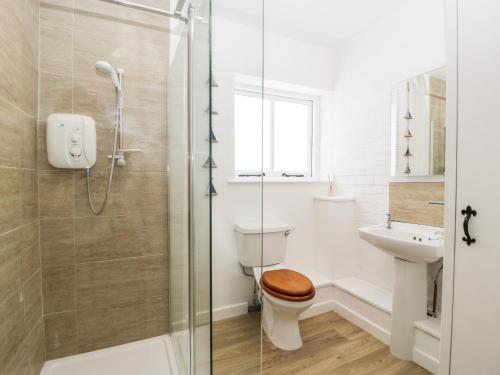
(411, 242)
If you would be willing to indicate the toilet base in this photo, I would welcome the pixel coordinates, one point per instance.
(281, 321)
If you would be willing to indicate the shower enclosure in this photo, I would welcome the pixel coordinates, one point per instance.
(190, 193)
(85, 289)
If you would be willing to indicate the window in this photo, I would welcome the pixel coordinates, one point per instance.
(274, 135)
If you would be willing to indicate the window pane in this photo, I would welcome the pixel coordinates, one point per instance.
(248, 138)
(291, 137)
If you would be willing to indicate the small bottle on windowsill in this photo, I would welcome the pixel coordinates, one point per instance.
(331, 185)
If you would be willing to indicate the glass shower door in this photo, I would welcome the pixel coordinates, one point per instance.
(237, 54)
(178, 195)
(189, 188)
(203, 190)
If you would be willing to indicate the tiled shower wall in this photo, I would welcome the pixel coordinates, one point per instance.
(105, 278)
(21, 324)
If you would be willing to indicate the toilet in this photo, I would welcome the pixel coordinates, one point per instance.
(285, 292)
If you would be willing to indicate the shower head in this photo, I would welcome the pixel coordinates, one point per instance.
(106, 68)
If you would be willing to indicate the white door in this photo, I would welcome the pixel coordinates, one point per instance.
(476, 309)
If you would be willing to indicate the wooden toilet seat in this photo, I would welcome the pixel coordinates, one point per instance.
(288, 285)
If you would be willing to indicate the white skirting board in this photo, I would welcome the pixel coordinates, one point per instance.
(322, 304)
(230, 311)
(425, 360)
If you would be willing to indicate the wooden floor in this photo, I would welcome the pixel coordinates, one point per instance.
(332, 345)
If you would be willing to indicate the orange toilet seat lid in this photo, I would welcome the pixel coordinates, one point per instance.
(288, 285)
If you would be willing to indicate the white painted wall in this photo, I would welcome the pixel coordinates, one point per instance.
(237, 51)
(355, 141)
(406, 43)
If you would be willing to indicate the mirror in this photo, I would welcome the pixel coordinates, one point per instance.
(418, 125)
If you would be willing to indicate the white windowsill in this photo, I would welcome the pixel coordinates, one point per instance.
(275, 180)
(339, 198)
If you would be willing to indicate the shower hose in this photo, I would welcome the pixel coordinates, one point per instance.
(98, 211)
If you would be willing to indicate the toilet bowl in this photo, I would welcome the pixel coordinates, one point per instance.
(287, 295)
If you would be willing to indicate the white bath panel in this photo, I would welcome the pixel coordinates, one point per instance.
(147, 357)
(365, 305)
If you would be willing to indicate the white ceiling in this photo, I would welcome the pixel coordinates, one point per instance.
(325, 22)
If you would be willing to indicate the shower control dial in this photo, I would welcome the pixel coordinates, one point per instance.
(76, 152)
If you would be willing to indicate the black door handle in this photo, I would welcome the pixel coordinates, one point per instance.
(468, 212)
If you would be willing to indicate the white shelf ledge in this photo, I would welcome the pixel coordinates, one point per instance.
(339, 198)
(366, 291)
(277, 180)
(431, 326)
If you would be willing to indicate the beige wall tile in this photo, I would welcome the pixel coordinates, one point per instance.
(56, 194)
(57, 12)
(11, 277)
(61, 337)
(115, 205)
(98, 9)
(103, 327)
(21, 20)
(107, 238)
(95, 97)
(133, 192)
(30, 247)
(21, 338)
(18, 84)
(32, 298)
(151, 159)
(28, 136)
(10, 199)
(35, 346)
(135, 44)
(103, 284)
(17, 137)
(13, 333)
(43, 162)
(57, 240)
(10, 137)
(18, 55)
(68, 4)
(29, 196)
(59, 290)
(145, 113)
(56, 95)
(19, 362)
(56, 49)
(409, 202)
(143, 192)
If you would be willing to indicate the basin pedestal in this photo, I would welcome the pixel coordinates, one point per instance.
(409, 305)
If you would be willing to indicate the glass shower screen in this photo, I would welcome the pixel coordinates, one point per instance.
(189, 149)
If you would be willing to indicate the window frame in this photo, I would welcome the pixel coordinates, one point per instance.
(312, 125)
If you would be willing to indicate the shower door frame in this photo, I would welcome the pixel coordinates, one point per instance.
(190, 17)
(191, 179)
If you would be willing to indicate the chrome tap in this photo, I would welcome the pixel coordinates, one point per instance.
(389, 221)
